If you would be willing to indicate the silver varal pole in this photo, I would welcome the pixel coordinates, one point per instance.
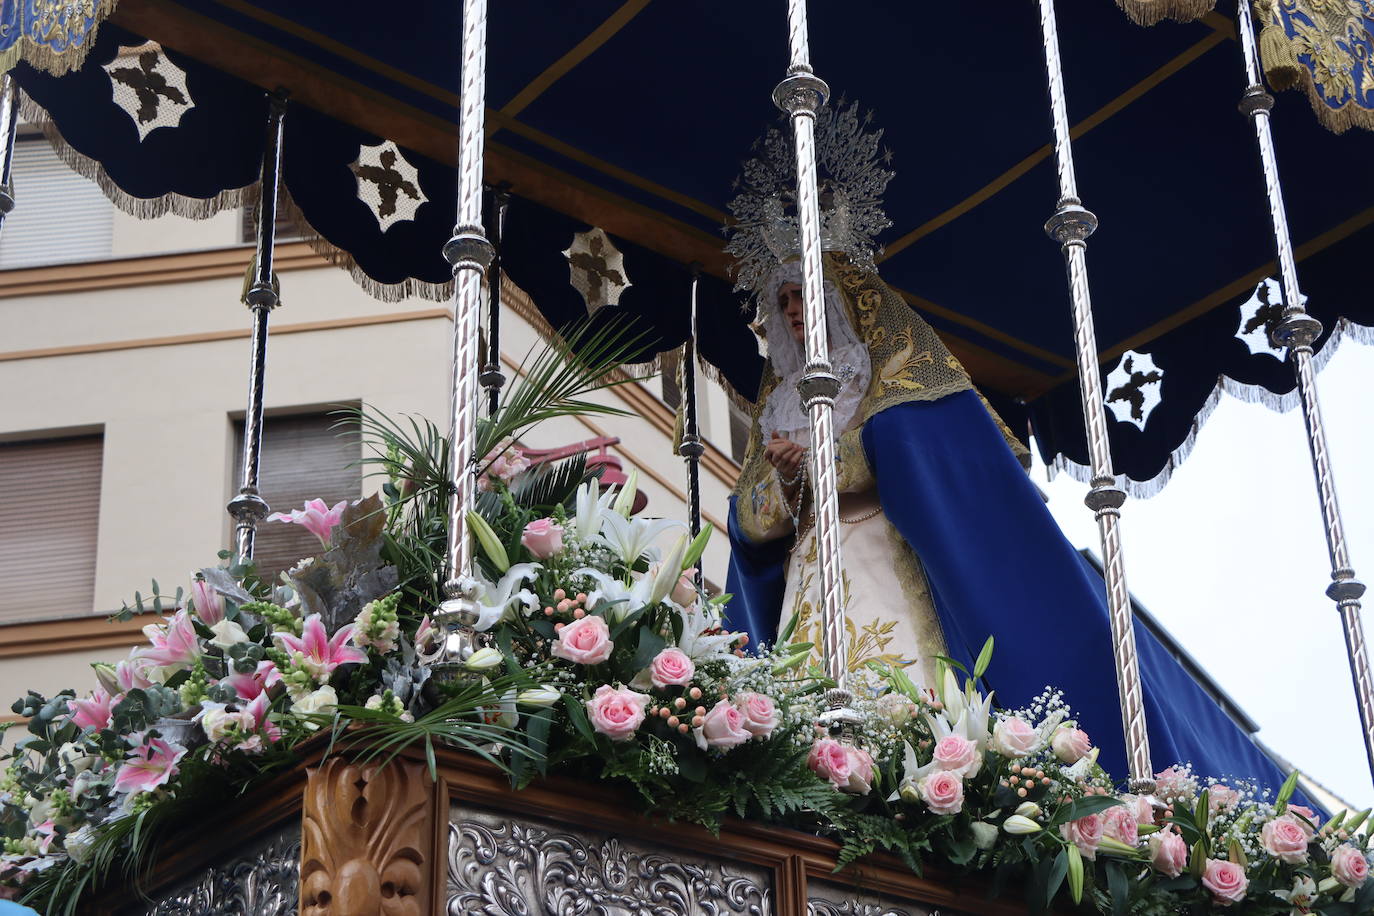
(9, 123)
(1071, 225)
(691, 448)
(801, 94)
(470, 254)
(248, 507)
(1297, 331)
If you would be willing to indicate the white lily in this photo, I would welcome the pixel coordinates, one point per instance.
(1079, 771)
(624, 599)
(695, 641)
(590, 507)
(495, 598)
(951, 697)
(908, 786)
(630, 538)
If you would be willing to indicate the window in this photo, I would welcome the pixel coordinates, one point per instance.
(48, 523)
(58, 215)
(303, 457)
(740, 426)
(248, 226)
(670, 365)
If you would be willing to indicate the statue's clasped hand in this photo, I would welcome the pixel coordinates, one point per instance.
(785, 456)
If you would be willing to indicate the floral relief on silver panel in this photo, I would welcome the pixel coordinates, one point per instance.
(262, 882)
(832, 899)
(498, 866)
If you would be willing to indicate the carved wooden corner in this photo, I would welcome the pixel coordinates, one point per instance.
(368, 840)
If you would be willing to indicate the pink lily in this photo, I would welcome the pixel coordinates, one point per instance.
(92, 712)
(209, 604)
(132, 672)
(424, 633)
(173, 646)
(321, 653)
(258, 709)
(255, 684)
(47, 831)
(148, 766)
(317, 518)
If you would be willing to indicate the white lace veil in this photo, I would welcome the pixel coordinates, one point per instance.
(848, 356)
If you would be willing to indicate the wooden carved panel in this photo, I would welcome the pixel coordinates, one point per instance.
(367, 838)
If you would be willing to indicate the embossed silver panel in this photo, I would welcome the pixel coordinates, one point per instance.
(499, 866)
(833, 899)
(262, 881)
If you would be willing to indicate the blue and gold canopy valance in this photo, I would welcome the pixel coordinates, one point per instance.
(52, 34)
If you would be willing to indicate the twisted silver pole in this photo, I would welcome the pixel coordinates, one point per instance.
(801, 94)
(492, 378)
(1297, 331)
(469, 253)
(9, 123)
(248, 508)
(1071, 225)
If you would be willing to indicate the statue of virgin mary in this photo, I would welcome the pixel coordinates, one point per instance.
(943, 538)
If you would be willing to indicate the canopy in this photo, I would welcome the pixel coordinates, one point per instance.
(634, 117)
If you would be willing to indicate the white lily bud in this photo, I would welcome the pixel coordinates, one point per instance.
(1028, 809)
(484, 659)
(1020, 825)
(951, 696)
(625, 500)
(984, 834)
(669, 572)
(542, 696)
(909, 792)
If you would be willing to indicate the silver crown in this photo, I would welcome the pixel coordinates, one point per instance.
(852, 176)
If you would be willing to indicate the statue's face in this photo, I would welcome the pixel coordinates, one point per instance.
(790, 302)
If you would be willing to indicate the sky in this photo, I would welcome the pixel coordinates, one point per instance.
(1231, 557)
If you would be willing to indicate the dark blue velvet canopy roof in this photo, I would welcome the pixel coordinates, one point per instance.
(635, 116)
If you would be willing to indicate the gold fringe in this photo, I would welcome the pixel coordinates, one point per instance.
(58, 63)
(1279, 60)
(385, 292)
(1149, 12)
(140, 207)
(1336, 120)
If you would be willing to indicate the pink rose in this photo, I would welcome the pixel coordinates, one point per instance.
(956, 754)
(1349, 866)
(616, 713)
(760, 713)
(1168, 853)
(1307, 819)
(671, 668)
(1144, 810)
(685, 592)
(543, 538)
(1119, 823)
(1226, 881)
(1221, 797)
(1070, 744)
(1285, 839)
(943, 792)
(1085, 833)
(724, 726)
(848, 768)
(1014, 738)
(586, 641)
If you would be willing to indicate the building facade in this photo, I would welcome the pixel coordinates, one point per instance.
(125, 368)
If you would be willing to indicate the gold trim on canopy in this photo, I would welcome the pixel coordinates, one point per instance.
(1326, 48)
(1148, 12)
(54, 35)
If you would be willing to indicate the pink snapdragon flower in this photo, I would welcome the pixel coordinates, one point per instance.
(209, 603)
(503, 465)
(94, 711)
(173, 646)
(151, 764)
(321, 654)
(317, 517)
(255, 683)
